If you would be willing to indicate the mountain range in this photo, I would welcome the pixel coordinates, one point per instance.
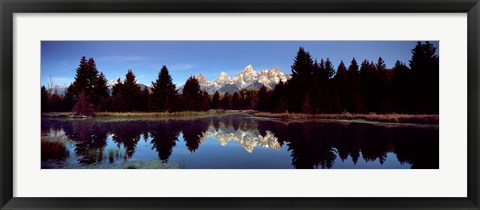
(248, 78)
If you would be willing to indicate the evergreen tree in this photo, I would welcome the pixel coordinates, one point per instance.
(302, 72)
(425, 69)
(131, 92)
(384, 86)
(44, 99)
(402, 93)
(250, 100)
(144, 99)
(226, 101)
(356, 101)
(205, 101)
(100, 90)
(328, 69)
(263, 100)
(369, 81)
(81, 82)
(236, 102)
(380, 65)
(278, 100)
(55, 102)
(216, 100)
(163, 91)
(69, 98)
(191, 94)
(83, 106)
(315, 90)
(117, 89)
(341, 84)
(85, 77)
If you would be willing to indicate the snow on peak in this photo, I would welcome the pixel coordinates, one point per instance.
(248, 78)
(223, 79)
(201, 78)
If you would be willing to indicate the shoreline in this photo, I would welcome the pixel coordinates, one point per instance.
(371, 117)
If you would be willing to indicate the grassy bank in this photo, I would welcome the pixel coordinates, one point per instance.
(136, 164)
(185, 114)
(391, 118)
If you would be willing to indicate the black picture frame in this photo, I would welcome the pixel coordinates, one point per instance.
(10, 7)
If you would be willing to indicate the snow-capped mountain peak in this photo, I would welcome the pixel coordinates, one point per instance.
(223, 79)
(201, 79)
(248, 78)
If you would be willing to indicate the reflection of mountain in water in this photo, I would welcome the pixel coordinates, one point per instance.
(309, 144)
(248, 139)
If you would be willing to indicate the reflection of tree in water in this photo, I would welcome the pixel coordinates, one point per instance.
(216, 123)
(90, 139)
(192, 132)
(348, 142)
(310, 146)
(128, 134)
(164, 136)
(421, 149)
(373, 142)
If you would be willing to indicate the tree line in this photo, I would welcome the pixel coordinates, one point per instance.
(315, 87)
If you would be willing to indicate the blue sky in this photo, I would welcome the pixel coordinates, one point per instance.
(184, 58)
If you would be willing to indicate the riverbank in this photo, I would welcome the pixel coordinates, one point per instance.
(186, 114)
(390, 118)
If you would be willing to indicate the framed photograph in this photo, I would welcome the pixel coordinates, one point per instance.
(239, 105)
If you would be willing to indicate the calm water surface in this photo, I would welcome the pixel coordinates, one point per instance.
(241, 142)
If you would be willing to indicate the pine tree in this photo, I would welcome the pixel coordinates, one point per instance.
(402, 93)
(131, 92)
(302, 72)
(263, 100)
(278, 100)
(83, 107)
(55, 102)
(81, 82)
(86, 77)
(328, 69)
(117, 89)
(69, 99)
(163, 91)
(380, 65)
(144, 99)
(384, 85)
(356, 99)
(44, 99)
(236, 102)
(100, 90)
(425, 69)
(226, 101)
(216, 100)
(191, 94)
(205, 101)
(92, 76)
(341, 84)
(353, 70)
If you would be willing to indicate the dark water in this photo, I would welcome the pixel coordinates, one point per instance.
(241, 142)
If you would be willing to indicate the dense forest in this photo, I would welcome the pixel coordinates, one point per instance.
(315, 87)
